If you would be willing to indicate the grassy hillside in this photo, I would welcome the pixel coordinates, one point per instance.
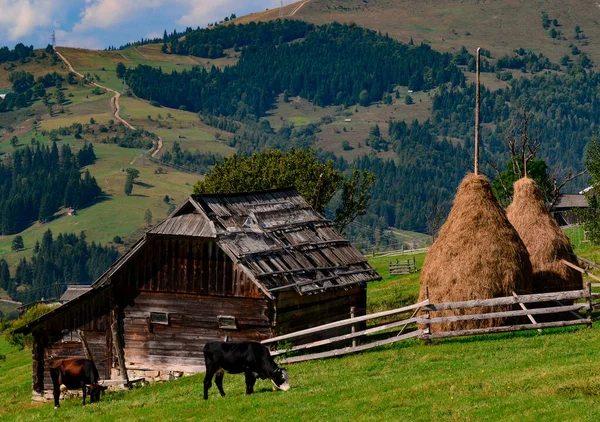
(499, 26)
(526, 377)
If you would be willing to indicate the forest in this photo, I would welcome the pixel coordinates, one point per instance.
(38, 180)
(334, 64)
(56, 262)
(20, 53)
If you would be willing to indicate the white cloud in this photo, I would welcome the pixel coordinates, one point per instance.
(201, 13)
(104, 14)
(20, 18)
(69, 39)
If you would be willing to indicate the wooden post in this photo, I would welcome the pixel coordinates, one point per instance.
(353, 329)
(427, 326)
(477, 109)
(84, 345)
(590, 304)
(119, 351)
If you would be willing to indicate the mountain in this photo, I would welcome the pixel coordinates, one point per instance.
(395, 99)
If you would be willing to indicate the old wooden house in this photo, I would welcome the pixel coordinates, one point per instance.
(243, 266)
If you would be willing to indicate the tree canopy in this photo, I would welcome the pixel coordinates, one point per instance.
(317, 182)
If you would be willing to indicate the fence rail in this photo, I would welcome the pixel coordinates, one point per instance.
(401, 267)
(396, 329)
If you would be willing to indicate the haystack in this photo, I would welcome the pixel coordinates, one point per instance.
(545, 241)
(477, 255)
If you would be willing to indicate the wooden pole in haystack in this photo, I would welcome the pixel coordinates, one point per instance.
(477, 108)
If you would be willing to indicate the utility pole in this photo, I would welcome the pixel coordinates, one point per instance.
(281, 10)
(53, 40)
(477, 109)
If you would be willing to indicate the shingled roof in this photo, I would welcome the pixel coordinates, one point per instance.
(277, 236)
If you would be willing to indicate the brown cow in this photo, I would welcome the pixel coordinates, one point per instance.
(75, 373)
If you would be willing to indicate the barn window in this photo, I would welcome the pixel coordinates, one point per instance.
(159, 318)
(227, 322)
(70, 337)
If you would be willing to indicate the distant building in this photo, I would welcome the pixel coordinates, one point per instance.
(71, 212)
(562, 211)
(347, 120)
(73, 292)
(2, 96)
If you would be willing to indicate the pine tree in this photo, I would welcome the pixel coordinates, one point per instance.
(17, 243)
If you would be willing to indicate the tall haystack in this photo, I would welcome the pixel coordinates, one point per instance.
(477, 255)
(545, 241)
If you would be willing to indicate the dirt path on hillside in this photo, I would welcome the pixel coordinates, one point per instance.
(114, 103)
(12, 302)
(299, 7)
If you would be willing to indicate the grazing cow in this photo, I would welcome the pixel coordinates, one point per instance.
(251, 358)
(75, 373)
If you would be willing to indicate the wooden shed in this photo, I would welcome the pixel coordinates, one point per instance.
(240, 266)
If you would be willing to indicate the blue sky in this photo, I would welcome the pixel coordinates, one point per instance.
(101, 23)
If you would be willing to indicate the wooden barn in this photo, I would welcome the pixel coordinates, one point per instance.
(240, 266)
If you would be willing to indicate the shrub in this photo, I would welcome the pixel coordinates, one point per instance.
(22, 340)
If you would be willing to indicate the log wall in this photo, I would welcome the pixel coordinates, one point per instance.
(184, 265)
(193, 322)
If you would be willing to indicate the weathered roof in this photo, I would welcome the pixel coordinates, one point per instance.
(73, 292)
(185, 225)
(567, 201)
(283, 241)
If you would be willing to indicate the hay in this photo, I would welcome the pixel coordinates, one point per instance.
(477, 255)
(545, 241)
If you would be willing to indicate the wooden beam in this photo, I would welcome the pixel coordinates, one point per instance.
(586, 261)
(321, 280)
(345, 337)
(505, 329)
(529, 315)
(581, 270)
(118, 345)
(506, 314)
(302, 270)
(477, 108)
(84, 346)
(348, 350)
(510, 300)
(345, 322)
(575, 314)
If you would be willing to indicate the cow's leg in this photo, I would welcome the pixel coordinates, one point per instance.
(208, 380)
(250, 381)
(219, 381)
(54, 374)
(84, 389)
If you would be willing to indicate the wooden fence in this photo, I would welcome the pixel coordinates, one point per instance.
(401, 267)
(398, 330)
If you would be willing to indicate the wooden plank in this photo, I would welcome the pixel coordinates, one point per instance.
(348, 350)
(505, 314)
(581, 270)
(505, 329)
(510, 300)
(345, 337)
(345, 322)
(529, 315)
(321, 280)
(587, 261)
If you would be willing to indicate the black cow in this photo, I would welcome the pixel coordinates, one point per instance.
(75, 373)
(251, 358)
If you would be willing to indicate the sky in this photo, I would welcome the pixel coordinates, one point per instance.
(97, 24)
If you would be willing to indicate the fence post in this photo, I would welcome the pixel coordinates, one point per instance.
(427, 326)
(590, 303)
(353, 328)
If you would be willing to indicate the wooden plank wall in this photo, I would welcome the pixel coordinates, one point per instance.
(295, 312)
(192, 323)
(185, 265)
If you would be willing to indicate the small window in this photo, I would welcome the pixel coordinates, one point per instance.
(227, 322)
(159, 318)
(70, 337)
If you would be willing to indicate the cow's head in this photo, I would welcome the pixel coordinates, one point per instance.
(280, 379)
(94, 391)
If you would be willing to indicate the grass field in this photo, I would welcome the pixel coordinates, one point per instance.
(514, 377)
